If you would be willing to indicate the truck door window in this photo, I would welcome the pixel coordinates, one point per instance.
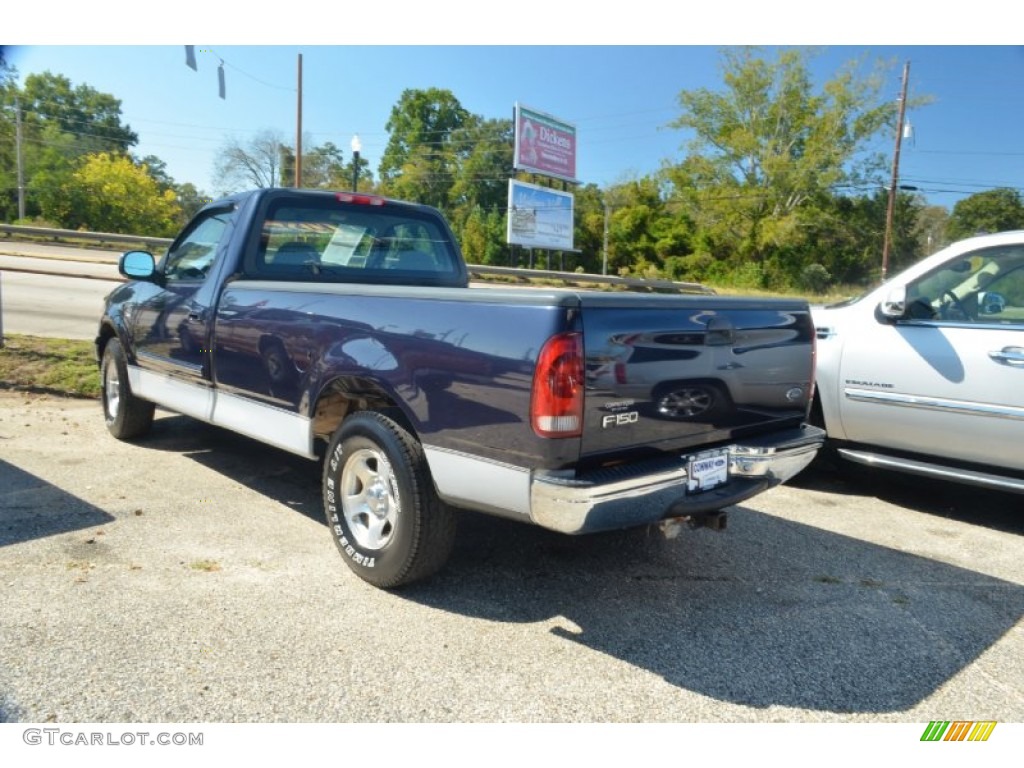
(192, 255)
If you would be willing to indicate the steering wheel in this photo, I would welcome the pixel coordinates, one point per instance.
(955, 303)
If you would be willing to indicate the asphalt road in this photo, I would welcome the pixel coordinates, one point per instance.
(52, 305)
(190, 578)
(58, 305)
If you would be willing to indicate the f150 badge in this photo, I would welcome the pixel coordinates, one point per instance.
(620, 419)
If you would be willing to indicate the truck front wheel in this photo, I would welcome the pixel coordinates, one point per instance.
(126, 415)
(381, 505)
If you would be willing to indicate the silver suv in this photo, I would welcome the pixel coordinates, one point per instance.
(925, 373)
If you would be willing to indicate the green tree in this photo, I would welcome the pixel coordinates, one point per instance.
(930, 229)
(8, 158)
(92, 117)
(419, 158)
(768, 146)
(481, 162)
(60, 123)
(110, 193)
(845, 236)
(588, 237)
(646, 235)
(156, 168)
(323, 167)
(189, 200)
(482, 237)
(995, 210)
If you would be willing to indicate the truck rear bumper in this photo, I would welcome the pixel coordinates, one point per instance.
(647, 492)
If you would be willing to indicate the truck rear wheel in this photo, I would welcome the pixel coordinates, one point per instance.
(381, 505)
(126, 415)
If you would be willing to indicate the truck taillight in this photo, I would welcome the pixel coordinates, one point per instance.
(351, 197)
(557, 406)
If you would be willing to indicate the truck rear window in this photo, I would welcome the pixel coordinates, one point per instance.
(323, 239)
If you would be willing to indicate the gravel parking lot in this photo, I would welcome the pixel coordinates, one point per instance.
(190, 578)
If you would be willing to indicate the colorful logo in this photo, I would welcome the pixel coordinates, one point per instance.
(958, 730)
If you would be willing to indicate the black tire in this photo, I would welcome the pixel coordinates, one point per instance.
(127, 416)
(381, 505)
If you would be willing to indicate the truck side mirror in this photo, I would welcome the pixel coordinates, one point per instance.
(138, 265)
(894, 306)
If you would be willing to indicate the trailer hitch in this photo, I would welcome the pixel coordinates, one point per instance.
(715, 521)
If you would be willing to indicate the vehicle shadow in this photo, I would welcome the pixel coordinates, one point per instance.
(769, 613)
(998, 510)
(32, 508)
(284, 477)
(9, 711)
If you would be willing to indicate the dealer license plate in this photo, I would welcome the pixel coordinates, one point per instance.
(707, 470)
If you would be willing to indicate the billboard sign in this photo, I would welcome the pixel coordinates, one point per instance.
(544, 145)
(539, 217)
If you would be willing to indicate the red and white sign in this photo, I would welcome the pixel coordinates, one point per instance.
(544, 144)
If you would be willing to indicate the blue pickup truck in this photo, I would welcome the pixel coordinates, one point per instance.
(342, 327)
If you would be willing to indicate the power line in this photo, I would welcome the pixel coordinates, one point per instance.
(252, 77)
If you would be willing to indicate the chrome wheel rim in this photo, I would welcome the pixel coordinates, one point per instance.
(685, 402)
(111, 389)
(369, 498)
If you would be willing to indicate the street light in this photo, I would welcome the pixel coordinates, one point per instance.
(357, 145)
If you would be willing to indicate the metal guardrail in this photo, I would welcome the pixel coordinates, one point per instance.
(63, 235)
(52, 273)
(586, 277)
(480, 270)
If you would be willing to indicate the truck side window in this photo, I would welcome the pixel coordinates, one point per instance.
(192, 255)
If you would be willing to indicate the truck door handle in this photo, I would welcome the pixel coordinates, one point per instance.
(194, 316)
(1009, 356)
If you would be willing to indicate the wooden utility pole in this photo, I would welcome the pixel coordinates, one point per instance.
(891, 207)
(19, 152)
(604, 250)
(298, 131)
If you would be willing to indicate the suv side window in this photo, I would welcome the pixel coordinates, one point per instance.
(985, 286)
(191, 256)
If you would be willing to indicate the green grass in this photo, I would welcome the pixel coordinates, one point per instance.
(58, 366)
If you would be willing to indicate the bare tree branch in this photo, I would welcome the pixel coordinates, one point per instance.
(256, 163)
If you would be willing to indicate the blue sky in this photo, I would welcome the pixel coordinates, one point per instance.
(620, 97)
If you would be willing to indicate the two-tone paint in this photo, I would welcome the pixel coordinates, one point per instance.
(284, 361)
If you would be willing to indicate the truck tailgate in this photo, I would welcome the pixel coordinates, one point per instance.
(677, 374)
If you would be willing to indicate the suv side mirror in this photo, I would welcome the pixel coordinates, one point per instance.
(894, 306)
(991, 303)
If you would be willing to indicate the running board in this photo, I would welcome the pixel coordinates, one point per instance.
(954, 474)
